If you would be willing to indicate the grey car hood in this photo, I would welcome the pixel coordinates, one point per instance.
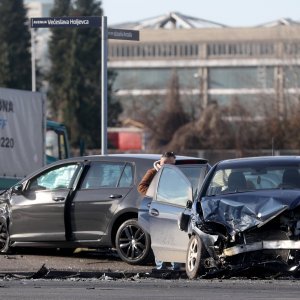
(241, 211)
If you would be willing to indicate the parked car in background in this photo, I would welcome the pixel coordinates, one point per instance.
(88, 201)
(246, 215)
(165, 201)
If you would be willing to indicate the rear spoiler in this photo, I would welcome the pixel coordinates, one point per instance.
(196, 161)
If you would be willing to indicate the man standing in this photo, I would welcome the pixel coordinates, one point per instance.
(166, 158)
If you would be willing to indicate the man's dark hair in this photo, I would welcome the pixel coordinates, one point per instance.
(169, 154)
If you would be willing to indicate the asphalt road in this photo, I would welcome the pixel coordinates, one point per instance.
(83, 260)
(149, 289)
(49, 274)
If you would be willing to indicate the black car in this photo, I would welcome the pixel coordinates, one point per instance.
(81, 202)
(247, 216)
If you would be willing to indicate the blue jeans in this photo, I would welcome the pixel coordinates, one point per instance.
(161, 265)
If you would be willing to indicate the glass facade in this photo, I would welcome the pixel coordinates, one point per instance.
(241, 78)
(260, 67)
(155, 78)
(292, 49)
(240, 49)
(292, 77)
(146, 50)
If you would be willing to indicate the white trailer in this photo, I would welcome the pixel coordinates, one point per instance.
(22, 133)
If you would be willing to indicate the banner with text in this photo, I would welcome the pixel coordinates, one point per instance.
(22, 123)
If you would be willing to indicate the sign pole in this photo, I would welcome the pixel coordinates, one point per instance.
(33, 71)
(90, 21)
(104, 85)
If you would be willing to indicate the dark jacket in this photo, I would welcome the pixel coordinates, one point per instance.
(146, 180)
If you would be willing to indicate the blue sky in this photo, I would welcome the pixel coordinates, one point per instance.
(228, 12)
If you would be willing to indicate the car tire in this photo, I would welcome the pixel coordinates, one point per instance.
(66, 251)
(193, 257)
(4, 236)
(133, 244)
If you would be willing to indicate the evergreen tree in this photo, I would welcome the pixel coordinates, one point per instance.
(59, 54)
(74, 79)
(15, 58)
(83, 79)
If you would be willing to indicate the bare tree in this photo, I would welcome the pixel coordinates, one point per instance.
(165, 121)
(210, 131)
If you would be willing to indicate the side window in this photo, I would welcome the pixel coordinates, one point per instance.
(127, 177)
(103, 174)
(58, 178)
(172, 188)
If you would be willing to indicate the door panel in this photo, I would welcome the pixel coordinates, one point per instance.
(38, 218)
(167, 241)
(144, 216)
(93, 209)
(173, 191)
(104, 187)
(38, 214)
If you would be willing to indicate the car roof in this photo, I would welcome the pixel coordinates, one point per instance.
(259, 160)
(180, 159)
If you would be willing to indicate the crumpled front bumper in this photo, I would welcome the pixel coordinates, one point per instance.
(262, 245)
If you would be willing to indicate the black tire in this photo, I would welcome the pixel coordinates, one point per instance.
(4, 236)
(133, 244)
(193, 257)
(66, 251)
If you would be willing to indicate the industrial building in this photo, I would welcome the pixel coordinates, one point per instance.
(256, 65)
(259, 66)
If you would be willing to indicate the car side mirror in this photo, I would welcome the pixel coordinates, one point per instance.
(189, 204)
(17, 189)
(183, 221)
(184, 217)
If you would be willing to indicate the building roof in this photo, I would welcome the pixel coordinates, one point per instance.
(280, 22)
(171, 20)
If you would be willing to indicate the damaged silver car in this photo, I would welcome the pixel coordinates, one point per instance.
(246, 215)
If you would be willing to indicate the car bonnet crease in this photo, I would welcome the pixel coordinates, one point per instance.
(253, 209)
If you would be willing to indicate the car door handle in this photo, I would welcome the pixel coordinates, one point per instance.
(115, 196)
(59, 199)
(154, 212)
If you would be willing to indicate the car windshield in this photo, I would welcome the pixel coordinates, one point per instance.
(234, 180)
(195, 174)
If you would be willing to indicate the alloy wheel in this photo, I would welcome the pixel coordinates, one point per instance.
(133, 244)
(193, 257)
